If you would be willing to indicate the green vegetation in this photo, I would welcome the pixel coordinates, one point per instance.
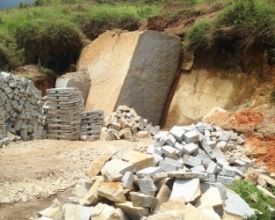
(242, 24)
(256, 199)
(198, 35)
(53, 32)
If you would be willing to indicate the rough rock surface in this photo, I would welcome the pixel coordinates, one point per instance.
(197, 92)
(135, 69)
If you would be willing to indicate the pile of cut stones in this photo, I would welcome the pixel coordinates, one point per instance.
(91, 124)
(184, 175)
(63, 109)
(125, 123)
(21, 112)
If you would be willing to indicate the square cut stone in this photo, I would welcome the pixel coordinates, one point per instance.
(191, 161)
(192, 137)
(178, 162)
(168, 167)
(178, 133)
(169, 151)
(190, 148)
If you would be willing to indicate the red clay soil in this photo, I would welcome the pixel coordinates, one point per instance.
(248, 117)
(241, 121)
(269, 158)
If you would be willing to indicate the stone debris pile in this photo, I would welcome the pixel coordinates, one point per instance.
(91, 124)
(125, 123)
(183, 176)
(63, 109)
(21, 112)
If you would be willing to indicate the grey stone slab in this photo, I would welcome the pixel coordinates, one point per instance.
(168, 151)
(225, 180)
(189, 175)
(178, 146)
(206, 146)
(171, 140)
(237, 206)
(178, 162)
(147, 186)
(206, 162)
(189, 189)
(212, 168)
(128, 180)
(212, 178)
(218, 154)
(168, 167)
(149, 171)
(228, 171)
(191, 161)
(157, 158)
(199, 168)
(142, 200)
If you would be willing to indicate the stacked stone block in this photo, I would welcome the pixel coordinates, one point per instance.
(91, 124)
(21, 110)
(63, 113)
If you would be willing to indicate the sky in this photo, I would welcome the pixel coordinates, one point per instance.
(12, 3)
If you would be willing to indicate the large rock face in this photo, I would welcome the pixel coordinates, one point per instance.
(198, 92)
(135, 69)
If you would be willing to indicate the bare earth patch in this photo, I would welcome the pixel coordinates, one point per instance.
(33, 173)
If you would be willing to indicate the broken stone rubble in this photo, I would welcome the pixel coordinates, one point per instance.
(151, 192)
(125, 123)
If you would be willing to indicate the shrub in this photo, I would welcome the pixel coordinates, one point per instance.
(246, 23)
(49, 42)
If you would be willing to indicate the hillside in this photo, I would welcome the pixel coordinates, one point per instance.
(177, 63)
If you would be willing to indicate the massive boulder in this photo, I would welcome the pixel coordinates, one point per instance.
(135, 69)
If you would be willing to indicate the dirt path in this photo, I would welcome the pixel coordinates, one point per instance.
(33, 173)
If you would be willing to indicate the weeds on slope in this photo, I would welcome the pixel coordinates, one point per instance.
(53, 32)
(256, 199)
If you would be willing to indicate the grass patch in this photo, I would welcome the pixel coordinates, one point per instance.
(198, 35)
(53, 31)
(255, 199)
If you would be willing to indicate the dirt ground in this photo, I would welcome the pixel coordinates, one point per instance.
(33, 173)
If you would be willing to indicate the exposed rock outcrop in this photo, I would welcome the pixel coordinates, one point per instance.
(135, 69)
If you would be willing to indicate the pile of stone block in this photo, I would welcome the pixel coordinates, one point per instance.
(185, 175)
(21, 112)
(91, 124)
(125, 123)
(63, 109)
